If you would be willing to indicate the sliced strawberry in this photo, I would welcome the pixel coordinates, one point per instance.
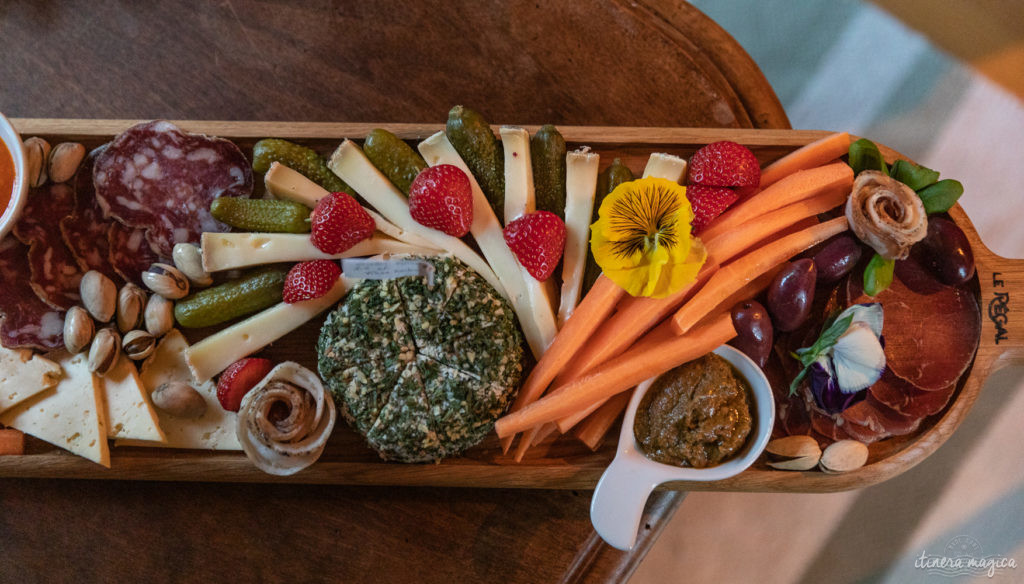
(726, 164)
(338, 222)
(538, 240)
(308, 280)
(441, 198)
(708, 203)
(238, 379)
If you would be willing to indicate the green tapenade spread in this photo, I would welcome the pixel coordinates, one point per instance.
(697, 414)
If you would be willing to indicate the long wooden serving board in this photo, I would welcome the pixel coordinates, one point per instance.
(559, 463)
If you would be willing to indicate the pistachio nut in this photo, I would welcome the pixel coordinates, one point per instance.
(843, 456)
(179, 399)
(165, 280)
(105, 351)
(138, 345)
(99, 295)
(159, 315)
(131, 301)
(64, 161)
(78, 329)
(189, 259)
(37, 152)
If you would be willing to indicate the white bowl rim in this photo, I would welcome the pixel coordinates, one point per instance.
(19, 193)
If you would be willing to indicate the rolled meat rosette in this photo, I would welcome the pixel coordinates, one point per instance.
(886, 214)
(285, 420)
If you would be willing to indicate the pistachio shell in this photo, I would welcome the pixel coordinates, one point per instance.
(105, 350)
(844, 456)
(99, 295)
(802, 463)
(138, 345)
(165, 280)
(159, 315)
(37, 152)
(179, 399)
(78, 329)
(131, 301)
(189, 259)
(65, 160)
(794, 447)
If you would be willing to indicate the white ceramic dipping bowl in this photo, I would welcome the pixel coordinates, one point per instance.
(19, 194)
(618, 503)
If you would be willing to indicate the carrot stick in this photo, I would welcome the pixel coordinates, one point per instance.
(11, 441)
(634, 316)
(814, 154)
(594, 429)
(795, 187)
(735, 275)
(618, 375)
(729, 244)
(591, 312)
(545, 431)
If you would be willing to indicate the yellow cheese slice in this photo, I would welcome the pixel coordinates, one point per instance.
(229, 251)
(665, 166)
(24, 374)
(70, 415)
(129, 411)
(214, 430)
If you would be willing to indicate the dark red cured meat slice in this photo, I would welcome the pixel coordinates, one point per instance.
(29, 322)
(54, 272)
(870, 420)
(827, 426)
(907, 400)
(155, 177)
(930, 339)
(130, 254)
(85, 230)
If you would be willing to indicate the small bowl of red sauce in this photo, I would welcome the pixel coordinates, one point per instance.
(13, 176)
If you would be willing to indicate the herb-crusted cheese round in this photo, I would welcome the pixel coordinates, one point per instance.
(422, 372)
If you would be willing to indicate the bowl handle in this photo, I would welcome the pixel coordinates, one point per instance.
(619, 499)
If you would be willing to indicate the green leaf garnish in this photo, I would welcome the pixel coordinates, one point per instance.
(864, 155)
(808, 355)
(941, 196)
(878, 275)
(914, 176)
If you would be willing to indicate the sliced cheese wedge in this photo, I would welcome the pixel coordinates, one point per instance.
(213, 354)
(665, 166)
(129, 412)
(228, 251)
(24, 374)
(285, 183)
(69, 415)
(349, 162)
(214, 430)
(581, 169)
(536, 319)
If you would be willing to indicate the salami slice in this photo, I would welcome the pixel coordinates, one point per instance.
(155, 177)
(29, 323)
(130, 254)
(54, 272)
(85, 230)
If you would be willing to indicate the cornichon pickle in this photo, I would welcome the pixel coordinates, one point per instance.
(611, 177)
(392, 156)
(547, 152)
(254, 291)
(298, 158)
(479, 148)
(261, 214)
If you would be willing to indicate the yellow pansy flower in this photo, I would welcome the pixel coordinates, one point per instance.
(642, 238)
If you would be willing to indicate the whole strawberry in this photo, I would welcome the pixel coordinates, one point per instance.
(726, 164)
(307, 280)
(538, 240)
(238, 379)
(338, 222)
(441, 198)
(708, 203)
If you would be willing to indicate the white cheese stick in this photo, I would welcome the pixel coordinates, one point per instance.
(129, 412)
(228, 251)
(69, 415)
(538, 329)
(213, 354)
(291, 185)
(665, 166)
(580, 184)
(519, 194)
(349, 162)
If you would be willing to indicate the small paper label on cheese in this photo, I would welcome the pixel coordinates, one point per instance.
(368, 269)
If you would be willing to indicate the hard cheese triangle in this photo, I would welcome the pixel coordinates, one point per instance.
(129, 411)
(214, 430)
(23, 375)
(71, 415)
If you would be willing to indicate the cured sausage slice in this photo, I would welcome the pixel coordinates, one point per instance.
(85, 230)
(130, 254)
(155, 177)
(29, 323)
(54, 272)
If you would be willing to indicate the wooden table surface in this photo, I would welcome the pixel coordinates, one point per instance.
(611, 63)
